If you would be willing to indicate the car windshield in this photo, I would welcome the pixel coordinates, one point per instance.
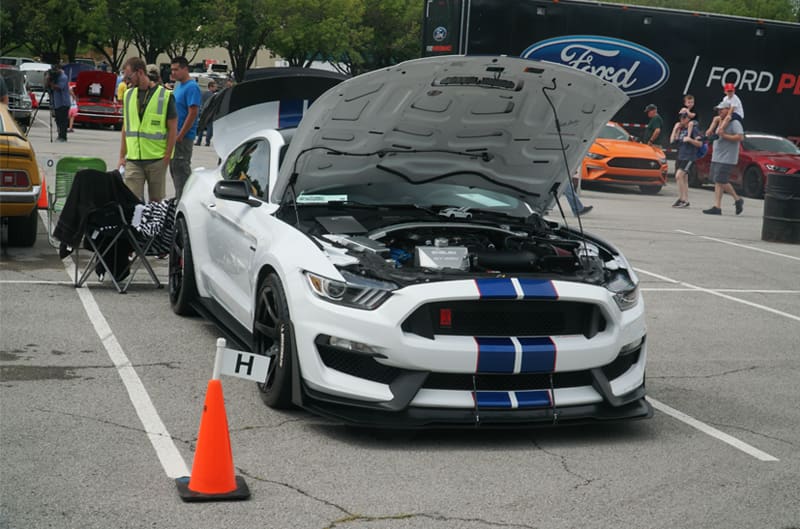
(14, 79)
(613, 132)
(770, 144)
(432, 195)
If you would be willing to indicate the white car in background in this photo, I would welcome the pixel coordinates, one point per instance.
(323, 248)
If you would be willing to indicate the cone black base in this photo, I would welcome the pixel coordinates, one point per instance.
(242, 492)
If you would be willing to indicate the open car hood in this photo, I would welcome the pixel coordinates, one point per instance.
(485, 122)
(95, 84)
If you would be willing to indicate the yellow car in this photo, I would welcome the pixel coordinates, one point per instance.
(615, 158)
(20, 182)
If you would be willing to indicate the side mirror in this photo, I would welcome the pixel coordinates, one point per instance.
(236, 190)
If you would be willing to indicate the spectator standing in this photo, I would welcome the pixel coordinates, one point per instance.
(3, 91)
(148, 132)
(73, 109)
(209, 129)
(187, 103)
(724, 160)
(687, 138)
(60, 100)
(652, 133)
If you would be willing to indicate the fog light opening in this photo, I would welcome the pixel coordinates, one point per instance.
(350, 345)
(631, 347)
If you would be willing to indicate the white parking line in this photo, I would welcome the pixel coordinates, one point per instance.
(755, 249)
(735, 290)
(713, 432)
(168, 454)
(721, 295)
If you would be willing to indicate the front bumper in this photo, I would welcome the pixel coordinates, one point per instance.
(416, 381)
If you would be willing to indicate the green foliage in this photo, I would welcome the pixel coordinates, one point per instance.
(396, 34)
(107, 31)
(151, 25)
(318, 29)
(240, 26)
(763, 9)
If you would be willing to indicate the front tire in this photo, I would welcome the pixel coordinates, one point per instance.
(753, 183)
(272, 337)
(22, 230)
(182, 286)
(650, 190)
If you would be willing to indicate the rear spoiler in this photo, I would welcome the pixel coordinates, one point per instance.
(262, 93)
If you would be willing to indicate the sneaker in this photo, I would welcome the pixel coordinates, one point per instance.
(713, 211)
(682, 204)
(585, 210)
(677, 203)
(70, 130)
(739, 206)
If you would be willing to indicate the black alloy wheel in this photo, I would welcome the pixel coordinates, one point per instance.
(182, 286)
(272, 337)
(753, 182)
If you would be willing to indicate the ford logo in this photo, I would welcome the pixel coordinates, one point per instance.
(634, 69)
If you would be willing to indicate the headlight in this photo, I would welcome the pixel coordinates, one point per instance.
(356, 291)
(626, 291)
(776, 168)
(662, 161)
(594, 156)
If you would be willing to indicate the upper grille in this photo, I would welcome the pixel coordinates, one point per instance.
(634, 163)
(505, 318)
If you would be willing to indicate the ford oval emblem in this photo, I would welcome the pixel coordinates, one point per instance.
(634, 69)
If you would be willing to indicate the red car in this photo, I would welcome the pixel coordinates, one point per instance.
(759, 155)
(96, 102)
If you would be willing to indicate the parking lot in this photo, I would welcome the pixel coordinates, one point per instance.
(101, 396)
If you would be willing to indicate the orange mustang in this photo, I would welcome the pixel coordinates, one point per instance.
(616, 158)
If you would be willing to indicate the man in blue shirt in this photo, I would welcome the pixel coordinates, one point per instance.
(60, 100)
(187, 102)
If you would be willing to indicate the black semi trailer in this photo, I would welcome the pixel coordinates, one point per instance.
(655, 55)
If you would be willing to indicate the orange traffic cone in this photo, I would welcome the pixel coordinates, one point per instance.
(43, 197)
(212, 476)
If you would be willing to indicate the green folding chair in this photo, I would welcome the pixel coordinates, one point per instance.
(59, 191)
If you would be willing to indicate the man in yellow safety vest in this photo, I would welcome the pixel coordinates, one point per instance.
(148, 133)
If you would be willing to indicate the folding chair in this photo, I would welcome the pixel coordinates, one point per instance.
(117, 250)
(57, 194)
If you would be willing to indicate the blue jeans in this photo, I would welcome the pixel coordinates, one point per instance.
(575, 203)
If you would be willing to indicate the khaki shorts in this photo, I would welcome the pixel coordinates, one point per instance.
(154, 173)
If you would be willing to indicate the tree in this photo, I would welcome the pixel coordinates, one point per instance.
(151, 25)
(309, 30)
(108, 33)
(240, 26)
(188, 37)
(394, 37)
(13, 26)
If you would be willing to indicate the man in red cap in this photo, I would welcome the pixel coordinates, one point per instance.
(735, 104)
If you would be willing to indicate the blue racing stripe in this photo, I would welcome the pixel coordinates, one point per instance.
(289, 113)
(538, 289)
(496, 288)
(493, 399)
(495, 355)
(533, 399)
(538, 355)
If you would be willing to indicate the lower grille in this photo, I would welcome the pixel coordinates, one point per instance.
(357, 365)
(464, 382)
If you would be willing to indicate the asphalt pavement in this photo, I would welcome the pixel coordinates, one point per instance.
(101, 396)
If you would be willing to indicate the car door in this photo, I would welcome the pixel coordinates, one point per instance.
(234, 228)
